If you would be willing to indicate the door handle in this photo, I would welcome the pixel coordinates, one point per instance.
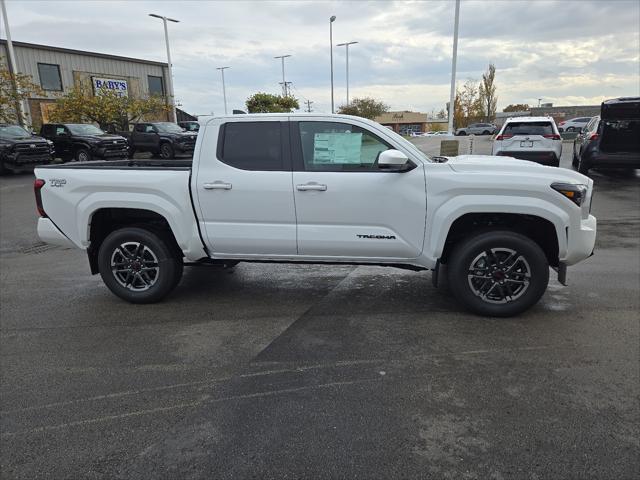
(311, 186)
(217, 185)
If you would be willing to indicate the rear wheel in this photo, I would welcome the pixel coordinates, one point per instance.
(463, 133)
(138, 265)
(499, 273)
(571, 129)
(486, 132)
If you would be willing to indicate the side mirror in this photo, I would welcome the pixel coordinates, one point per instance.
(392, 159)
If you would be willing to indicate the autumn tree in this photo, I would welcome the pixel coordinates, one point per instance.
(517, 107)
(365, 107)
(442, 114)
(14, 89)
(107, 108)
(269, 103)
(487, 93)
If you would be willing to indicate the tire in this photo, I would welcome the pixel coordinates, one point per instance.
(166, 151)
(473, 255)
(131, 152)
(462, 134)
(82, 155)
(582, 167)
(571, 129)
(574, 159)
(486, 132)
(137, 251)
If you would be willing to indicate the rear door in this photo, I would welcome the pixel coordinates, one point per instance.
(243, 183)
(346, 206)
(528, 136)
(145, 136)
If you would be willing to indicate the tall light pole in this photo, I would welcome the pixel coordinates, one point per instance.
(224, 91)
(284, 83)
(346, 45)
(166, 39)
(12, 64)
(331, 20)
(452, 95)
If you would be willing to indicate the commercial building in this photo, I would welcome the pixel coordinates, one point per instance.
(406, 122)
(58, 70)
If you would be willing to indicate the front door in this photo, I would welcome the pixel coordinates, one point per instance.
(243, 185)
(348, 207)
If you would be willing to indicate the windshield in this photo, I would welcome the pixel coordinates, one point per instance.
(168, 127)
(83, 129)
(13, 131)
(409, 145)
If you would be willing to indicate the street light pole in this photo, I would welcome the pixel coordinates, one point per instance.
(284, 83)
(346, 45)
(12, 64)
(224, 91)
(166, 39)
(331, 20)
(452, 95)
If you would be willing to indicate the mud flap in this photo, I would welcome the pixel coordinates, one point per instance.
(562, 273)
(435, 273)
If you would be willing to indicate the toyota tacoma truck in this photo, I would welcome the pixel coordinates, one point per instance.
(20, 150)
(332, 189)
(84, 141)
(163, 139)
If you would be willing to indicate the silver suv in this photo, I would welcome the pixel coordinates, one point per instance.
(530, 138)
(478, 129)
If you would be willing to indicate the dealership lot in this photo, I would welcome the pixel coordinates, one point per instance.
(272, 371)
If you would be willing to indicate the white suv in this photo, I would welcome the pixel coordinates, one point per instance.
(530, 138)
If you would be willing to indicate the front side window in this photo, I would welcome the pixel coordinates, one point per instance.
(251, 145)
(60, 130)
(338, 147)
(50, 76)
(156, 86)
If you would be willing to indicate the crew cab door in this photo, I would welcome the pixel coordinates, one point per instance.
(346, 205)
(243, 186)
(145, 136)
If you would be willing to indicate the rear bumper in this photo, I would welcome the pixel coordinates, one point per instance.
(49, 233)
(581, 241)
(545, 157)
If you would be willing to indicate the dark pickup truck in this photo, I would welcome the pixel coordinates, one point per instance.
(83, 142)
(20, 150)
(164, 139)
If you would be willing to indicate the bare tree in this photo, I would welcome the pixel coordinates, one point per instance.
(487, 93)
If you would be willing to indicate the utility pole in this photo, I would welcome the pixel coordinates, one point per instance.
(169, 71)
(285, 88)
(12, 65)
(331, 20)
(346, 45)
(309, 102)
(452, 95)
(224, 91)
(284, 82)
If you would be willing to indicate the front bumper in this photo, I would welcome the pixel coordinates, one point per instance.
(581, 241)
(109, 152)
(184, 147)
(49, 233)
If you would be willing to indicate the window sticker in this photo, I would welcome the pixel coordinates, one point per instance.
(338, 148)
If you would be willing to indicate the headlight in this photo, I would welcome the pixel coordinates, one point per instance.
(575, 193)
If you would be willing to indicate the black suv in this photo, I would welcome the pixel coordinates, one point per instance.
(84, 141)
(21, 150)
(164, 139)
(612, 139)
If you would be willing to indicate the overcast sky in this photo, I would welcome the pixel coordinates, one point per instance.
(567, 52)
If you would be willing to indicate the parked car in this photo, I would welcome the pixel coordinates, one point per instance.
(20, 150)
(164, 139)
(83, 142)
(478, 129)
(573, 124)
(190, 126)
(530, 138)
(321, 189)
(611, 139)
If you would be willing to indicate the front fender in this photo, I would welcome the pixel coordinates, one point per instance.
(442, 219)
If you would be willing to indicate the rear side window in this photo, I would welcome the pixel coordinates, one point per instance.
(251, 145)
(528, 128)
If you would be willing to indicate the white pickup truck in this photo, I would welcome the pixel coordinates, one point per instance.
(321, 189)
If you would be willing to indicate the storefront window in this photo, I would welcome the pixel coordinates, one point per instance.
(155, 85)
(50, 76)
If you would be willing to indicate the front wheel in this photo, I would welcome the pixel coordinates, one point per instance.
(138, 265)
(166, 151)
(499, 273)
(82, 155)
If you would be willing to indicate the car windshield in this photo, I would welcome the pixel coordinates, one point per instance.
(528, 128)
(168, 127)
(13, 131)
(84, 129)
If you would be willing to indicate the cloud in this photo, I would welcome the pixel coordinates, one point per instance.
(560, 51)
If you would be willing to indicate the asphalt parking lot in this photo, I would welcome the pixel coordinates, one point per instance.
(281, 371)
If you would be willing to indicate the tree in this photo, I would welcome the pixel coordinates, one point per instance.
(517, 107)
(15, 88)
(365, 107)
(268, 103)
(442, 114)
(487, 93)
(107, 108)
(468, 105)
